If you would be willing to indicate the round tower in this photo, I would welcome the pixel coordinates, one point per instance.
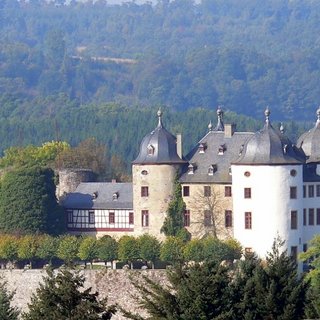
(267, 184)
(153, 174)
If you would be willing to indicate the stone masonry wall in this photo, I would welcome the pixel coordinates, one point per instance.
(113, 284)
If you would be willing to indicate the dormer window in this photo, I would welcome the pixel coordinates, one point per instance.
(115, 196)
(150, 150)
(202, 147)
(191, 168)
(212, 169)
(95, 195)
(222, 149)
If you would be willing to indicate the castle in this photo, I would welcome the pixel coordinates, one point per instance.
(250, 186)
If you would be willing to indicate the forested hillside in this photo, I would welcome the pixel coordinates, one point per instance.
(92, 69)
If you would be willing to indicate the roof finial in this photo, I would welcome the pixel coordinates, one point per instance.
(210, 126)
(318, 116)
(220, 125)
(267, 114)
(159, 114)
(281, 128)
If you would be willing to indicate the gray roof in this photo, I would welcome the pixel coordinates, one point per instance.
(211, 142)
(270, 147)
(309, 142)
(164, 146)
(99, 195)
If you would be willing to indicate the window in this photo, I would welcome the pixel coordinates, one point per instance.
(247, 193)
(207, 191)
(186, 218)
(318, 190)
(247, 174)
(191, 168)
(247, 220)
(227, 191)
(222, 148)
(293, 192)
(144, 191)
(304, 191)
(228, 219)
(311, 217)
(294, 220)
(305, 247)
(212, 169)
(207, 218)
(311, 191)
(318, 216)
(145, 218)
(144, 172)
(186, 191)
(150, 150)
(91, 217)
(294, 253)
(111, 218)
(131, 218)
(293, 173)
(304, 217)
(202, 147)
(70, 216)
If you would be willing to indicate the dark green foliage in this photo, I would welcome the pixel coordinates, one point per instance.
(6, 311)
(250, 289)
(149, 247)
(62, 296)
(128, 250)
(28, 203)
(173, 223)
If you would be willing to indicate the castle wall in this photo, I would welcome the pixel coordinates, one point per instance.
(159, 179)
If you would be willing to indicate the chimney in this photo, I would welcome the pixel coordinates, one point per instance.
(229, 130)
(179, 145)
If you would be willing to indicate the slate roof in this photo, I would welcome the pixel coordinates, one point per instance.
(309, 142)
(164, 144)
(212, 141)
(270, 147)
(83, 197)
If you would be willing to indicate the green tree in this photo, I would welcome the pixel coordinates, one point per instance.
(28, 203)
(7, 312)
(88, 249)
(172, 250)
(285, 291)
(68, 249)
(8, 248)
(128, 249)
(149, 248)
(193, 250)
(47, 248)
(312, 257)
(62, 297)
(173, 222)
(107, 249)
(27, 248)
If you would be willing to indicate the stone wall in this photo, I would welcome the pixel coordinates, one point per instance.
(113, 284)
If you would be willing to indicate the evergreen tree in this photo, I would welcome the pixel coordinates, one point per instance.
(6, 311)
(173, 223)
(62, 297)
(28, 203)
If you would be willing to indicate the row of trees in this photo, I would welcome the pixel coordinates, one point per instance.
(71, 249)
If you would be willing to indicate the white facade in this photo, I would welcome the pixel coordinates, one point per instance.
(274, 203)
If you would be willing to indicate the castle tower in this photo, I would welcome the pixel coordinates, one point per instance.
(267, 192)
(153, 174)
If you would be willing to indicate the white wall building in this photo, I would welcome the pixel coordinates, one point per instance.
(254, 186)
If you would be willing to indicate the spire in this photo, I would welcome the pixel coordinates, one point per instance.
(159, 114)
(210, 126)
(220, 125)
(318, 117)
(267, 114)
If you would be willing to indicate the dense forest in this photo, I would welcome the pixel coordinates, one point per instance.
(70, 69)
